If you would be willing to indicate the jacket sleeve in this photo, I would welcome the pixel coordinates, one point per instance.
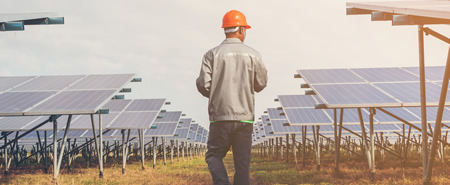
(260, 75)
(204, 79)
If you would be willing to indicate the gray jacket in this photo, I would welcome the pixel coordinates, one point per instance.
(229, 76)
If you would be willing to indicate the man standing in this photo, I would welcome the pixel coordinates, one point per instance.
(230, 75)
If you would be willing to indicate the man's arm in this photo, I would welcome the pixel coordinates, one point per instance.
(204, 79)
(260, 75)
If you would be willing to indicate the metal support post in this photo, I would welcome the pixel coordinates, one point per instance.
(437, 127)
(423, 106)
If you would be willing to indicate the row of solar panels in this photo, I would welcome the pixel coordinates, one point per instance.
(81, 95)
(396, 90)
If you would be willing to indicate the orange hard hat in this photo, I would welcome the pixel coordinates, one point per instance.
(234, 18)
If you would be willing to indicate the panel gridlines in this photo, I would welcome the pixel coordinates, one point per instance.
(56, 95)
(377, 87)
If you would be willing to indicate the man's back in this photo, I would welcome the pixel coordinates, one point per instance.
(233, 72)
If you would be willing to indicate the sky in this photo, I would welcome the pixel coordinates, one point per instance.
(163, 43)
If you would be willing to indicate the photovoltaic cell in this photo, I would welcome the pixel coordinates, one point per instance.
(385, 128)
(194, 127)
(169, 117)
(192, 135)
(307, 116)
(182, 134)
(10, 82)
(317, 76)
(431, 114)
(351, 95)
(432, 73)
(355, 128)
(185, 122)
(69, 102)
(385, 74)
(92, 82)
(163, 129)
(16, 123)
(350, 115)
(146, 105)
(16, 103)
(48, 83)
(278, 127)
(133, 120)
(84, 122)
(274, 113)
(116, 105)
(265, 119)
(290, 101)
(410, 92)
(72, 133)
(400, 112)
(61, 123)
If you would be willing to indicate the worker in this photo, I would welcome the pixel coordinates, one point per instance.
(230, 75)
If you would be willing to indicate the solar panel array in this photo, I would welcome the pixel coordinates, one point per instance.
(373, 87)
(56, 95)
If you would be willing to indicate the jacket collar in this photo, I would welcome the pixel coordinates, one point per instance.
(232, 41)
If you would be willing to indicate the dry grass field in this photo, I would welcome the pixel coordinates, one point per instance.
(263, 171)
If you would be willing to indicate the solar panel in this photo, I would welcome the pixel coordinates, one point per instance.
(356, 128)
(409, 93)
(385, 128)
(17, 123)
(432, 73)
(57, 95)
(265, 119)
(181, 134)
(275, 113)
(278, 127)
(290, 101)
(10, 82)
(400, 112)
(61, 121)
(169, 117)
(109, 81)
(317, 76)
(15, 103)
(350, 115)
(192, 135)
(84, 122)
(307, 116)
(431, 113)
(185, 122)
(133, 120)
(116, 105)
(71, 102)
(385, 74)
(33, 135)
(48, 83)
(146, 105)
(72, 133)
(194, 127)
(354, 95)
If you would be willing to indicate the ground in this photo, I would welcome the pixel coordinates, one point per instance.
(264, 170)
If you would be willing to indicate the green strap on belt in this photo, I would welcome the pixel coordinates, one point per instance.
(243, 121)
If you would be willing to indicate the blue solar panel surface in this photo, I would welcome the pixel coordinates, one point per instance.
(354, 95)
(291, 101)
(318, 76)
(385, 74)
(7, 83)
(53, 95)
(163, 129)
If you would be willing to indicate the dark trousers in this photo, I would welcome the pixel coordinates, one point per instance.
(222, 135)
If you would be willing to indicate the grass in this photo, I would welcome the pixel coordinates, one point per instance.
(264, 170)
